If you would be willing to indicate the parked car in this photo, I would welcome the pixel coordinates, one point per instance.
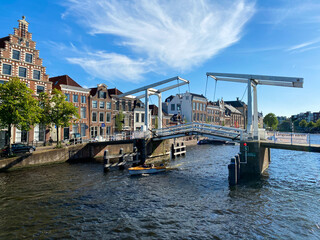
(17, 148)
(75, 138)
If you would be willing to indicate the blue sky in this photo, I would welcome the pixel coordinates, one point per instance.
(127, 44)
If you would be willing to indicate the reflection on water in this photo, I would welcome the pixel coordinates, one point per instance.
(193, 201)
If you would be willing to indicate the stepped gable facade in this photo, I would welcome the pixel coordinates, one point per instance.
(20, 58)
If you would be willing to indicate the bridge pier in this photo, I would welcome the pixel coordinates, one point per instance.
(254, 159)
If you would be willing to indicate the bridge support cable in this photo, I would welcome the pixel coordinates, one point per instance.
(252, 81)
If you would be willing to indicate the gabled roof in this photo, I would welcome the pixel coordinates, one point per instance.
(114, 91)
(198, 95)
(2, 41)
(232, 109)
(168, 99)
(237, 103)
(65, 80)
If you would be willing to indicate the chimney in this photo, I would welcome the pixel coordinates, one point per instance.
(237, 98)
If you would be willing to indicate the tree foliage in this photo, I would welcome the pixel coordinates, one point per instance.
(303, 123)
(57, 110)
(271, 120)
(285, 126)
(18, 107)
(119, 121)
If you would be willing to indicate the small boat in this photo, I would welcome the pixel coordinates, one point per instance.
(142, 170)
(211, 141)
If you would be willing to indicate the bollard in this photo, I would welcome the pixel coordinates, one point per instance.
(121, 163)
(232, 172)
(135, 150)
(106, 163)
(238, 167)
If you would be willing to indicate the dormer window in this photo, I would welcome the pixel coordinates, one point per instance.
(16, 54)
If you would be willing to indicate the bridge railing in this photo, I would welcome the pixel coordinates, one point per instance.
(203, 128)
(289, 138)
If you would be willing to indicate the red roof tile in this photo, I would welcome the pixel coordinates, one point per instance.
(64, 79)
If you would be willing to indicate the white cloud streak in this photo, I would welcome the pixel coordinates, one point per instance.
(304, 46)
(163, 34)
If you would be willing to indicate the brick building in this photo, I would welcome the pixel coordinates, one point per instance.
(79, 97)
(20, 58)
(101, 120)
(125, 105)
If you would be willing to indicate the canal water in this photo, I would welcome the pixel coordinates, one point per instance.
(79, 201)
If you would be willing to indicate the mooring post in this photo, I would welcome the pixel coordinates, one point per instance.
(232, 172)
(136, 156)
(238, 166)
(106, 163)
(121, 163)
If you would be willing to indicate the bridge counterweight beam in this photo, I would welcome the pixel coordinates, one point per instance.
(146, 108)
(249, 125)
(159, 111)
(255, 114)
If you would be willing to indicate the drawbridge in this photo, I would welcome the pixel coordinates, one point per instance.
(202, 129)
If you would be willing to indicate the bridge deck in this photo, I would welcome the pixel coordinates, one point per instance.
(289, 146)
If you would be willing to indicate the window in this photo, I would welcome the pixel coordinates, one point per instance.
(40, 89)
(108, 105)
(173, 107)
(6, 69)
(94, 104)
(67, 97)
(22, 72)
(16, 54)
(142, 117)
(75, 98)
(102, 94)
(117, 105)
(83, 129)
(178, 107)
(28, 57)
(83, 112)
(137, 117)
(39, 132)
(194, 116)
(94, 116)
(108, 117)
(75, 128)
(2, 82)
(197, 116)
(83, 99)
(36, 74)
(129, 106)
(197, 106)
(101, 117)
(27, 44)
(200, 106)
(101, 105)
(94, 132)
(194, 106)
(123, 105)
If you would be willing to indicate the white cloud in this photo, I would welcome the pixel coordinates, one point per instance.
(304, 46)
(176, 34)
(111, 65)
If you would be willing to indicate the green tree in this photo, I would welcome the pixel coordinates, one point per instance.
(18, 107)
(271, 120)
(311, 125)
(119, 120)
(303, 123)
(57, 110)
(285, 126)
(318, 123)
(156, 124)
